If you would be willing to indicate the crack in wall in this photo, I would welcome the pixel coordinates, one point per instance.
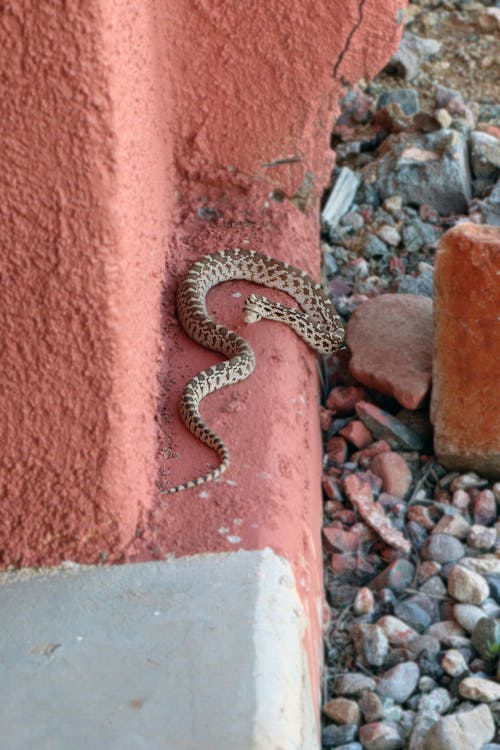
(349, 38)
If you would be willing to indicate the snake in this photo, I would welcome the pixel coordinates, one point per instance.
(316, 322)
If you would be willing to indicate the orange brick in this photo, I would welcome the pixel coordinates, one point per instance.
(465, 407)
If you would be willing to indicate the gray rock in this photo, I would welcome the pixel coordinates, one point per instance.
(338, 735)
(484, 154)
(399, 682)
(353, 683)
(449, 633)
(397, 576)
(442, 548)
(425, 643)
(412, 50)
(491, 206)
(423, 723)
(350, 746)
(374, 247)
(406, 98)
(437, 701)
(486, 638)
(418, 611)
(431, 169)
(433, 586)
(419, 235)
(384, 426)
(467, 615)
(341, 197)
(468, 730)
(370, 643)
(381, 735)
(422, 284)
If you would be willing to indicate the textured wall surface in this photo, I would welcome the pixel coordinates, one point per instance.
(120, 122)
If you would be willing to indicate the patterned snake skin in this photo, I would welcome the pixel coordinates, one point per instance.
(317, 323)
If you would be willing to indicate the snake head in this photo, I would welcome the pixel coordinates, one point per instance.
(251, 311)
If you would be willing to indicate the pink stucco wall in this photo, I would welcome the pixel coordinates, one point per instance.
(120, 121)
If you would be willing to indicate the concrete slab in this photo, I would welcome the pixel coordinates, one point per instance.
(201, 653)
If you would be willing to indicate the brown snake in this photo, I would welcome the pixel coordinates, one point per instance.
(317, 323)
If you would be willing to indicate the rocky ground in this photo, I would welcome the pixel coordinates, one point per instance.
(412, 551)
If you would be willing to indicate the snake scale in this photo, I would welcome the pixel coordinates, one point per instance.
(317, 323)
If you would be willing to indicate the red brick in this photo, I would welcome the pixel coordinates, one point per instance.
(466, 389)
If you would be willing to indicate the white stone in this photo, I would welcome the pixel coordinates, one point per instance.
(453, 662)
(397, 632)
(467, 615)
(467, 730)
(479, 689)
(467, 586)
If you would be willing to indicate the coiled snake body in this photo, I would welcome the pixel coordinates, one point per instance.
(317, 323)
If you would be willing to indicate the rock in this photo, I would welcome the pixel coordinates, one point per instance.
(394, 472)
(468, 730)
(350, 746)
(468, 481)
(484, 509)
(343, 398)
(371, 644)
(353, 683)
(381, 735)
(364, 603)
(428, 569)
(484, 154)
(491, 206)
(412, 50)
(430, 168)
(338, 735)
(442, 548)
(357, 434)
(407, 99)
(419, 235)
(397, 576)
(478, 689)
(397, 632)
(467, 615)
(455, 526)
(341, 197)
(481, 537)
(371, 707)
(467, 586)
(435, 587)
(341, 540)
(418, 611)
(438, 700)
(389, 235)
(489, 19)
(421, 726)
(390, 338)
(386, 427)
(494, 584)
(422, 284)
(374, 248)
(484, 565)
(399, 682)
(336, 449)
(342, 711)
(449, 634)
(467, 290)
(360, 495)
(453, 662)
(486, 638)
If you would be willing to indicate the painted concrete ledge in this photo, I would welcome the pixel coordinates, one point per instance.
(202, 653)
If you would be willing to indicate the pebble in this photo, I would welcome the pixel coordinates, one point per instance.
(484, 565)
(406, 98)
(468, 481)
(467, 730)
(481, 537)
(449, 633)
(386, 427)
(486, 638)
(371, 644)
(467, 586)
(428, 569)
(479, 689)
(397, 632)
(485, 154)
(343, 399)
(364, 603)
(418, 611)
(456, 526)
(442, 548)
(395, 360)
(484, 508)
(394, 472)
(338, 735)
(357, 434)
(389, 235)
(336, 449)
(428, 644)
(399, 682)
(453, 663)
(397, 576)
(342, 711)
(423, 722)
(494, 584)
(371, 707)
(353, 683)
(467, 615)
(381, 735)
